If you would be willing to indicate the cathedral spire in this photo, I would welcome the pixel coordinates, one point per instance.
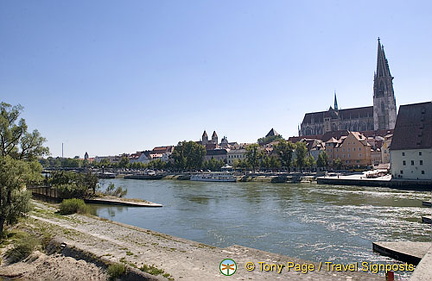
(335, 102)
(384, 102)
(383, 69)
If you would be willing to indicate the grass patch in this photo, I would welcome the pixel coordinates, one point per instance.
(72, 206)
(116, 270)
(24, 244)
(153, 270)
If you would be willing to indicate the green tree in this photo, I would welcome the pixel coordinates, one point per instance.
(157, 164)
(74, 185)
(19, 150)
(213, 164)
(285, 150)
(310, 162)
(270, 162)
(337, 163)
(269, 139)
(301, 153)
(253, 155)
(15, 140)
(188, 155)
(241, 164)
(14, 198)
(124, 162)
(322, 161)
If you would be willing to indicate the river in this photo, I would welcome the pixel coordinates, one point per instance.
(309, 221)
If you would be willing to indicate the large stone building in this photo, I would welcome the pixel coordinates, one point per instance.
(380, 116)
(411, 147)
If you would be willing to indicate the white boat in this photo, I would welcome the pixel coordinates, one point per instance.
(214, 176)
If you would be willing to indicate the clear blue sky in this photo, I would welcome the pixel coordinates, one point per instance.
(109, 77)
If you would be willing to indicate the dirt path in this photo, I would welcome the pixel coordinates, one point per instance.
(181, 259)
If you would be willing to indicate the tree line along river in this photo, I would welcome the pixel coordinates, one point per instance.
(309, 221)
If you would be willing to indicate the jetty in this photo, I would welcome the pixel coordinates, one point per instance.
(384, 181)
(52, 194)
(410, 252)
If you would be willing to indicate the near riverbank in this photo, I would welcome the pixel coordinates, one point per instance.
(173, 257)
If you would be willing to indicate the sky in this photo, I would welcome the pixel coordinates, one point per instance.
(110, 77)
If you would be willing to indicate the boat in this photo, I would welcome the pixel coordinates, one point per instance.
(147, 175)
(214, 177)
(427, 203)
(106, 175)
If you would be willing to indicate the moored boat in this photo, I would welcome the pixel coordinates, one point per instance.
(214, 177)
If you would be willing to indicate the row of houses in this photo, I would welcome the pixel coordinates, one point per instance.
(407, 149)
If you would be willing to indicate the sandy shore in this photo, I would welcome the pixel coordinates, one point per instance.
(180, 259)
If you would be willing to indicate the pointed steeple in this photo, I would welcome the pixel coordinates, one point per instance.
(204, 138)
(384, 102)
(335, 102)
(383, 69)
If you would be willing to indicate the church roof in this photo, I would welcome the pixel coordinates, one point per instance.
(413, 127)
(272, 133)
(205, 134)
(214, 134)
(350, 113)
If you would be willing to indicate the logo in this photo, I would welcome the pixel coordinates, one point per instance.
(228, 267)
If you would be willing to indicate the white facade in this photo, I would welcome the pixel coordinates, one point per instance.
(411, 164)
(235, 154)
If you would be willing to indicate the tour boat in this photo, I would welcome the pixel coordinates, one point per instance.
(214, 176)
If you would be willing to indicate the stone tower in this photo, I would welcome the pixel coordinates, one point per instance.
(215, 138)
(204, 138)
(384, 102)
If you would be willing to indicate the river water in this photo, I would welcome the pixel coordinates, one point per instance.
(309, 221)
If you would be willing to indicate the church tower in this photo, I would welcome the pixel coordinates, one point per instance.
(384, 102)
(204, 138)
(335, 106)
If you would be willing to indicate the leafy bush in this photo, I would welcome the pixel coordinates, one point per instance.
(72, 190)
(72, 206)
(115, 191)
(116, 270)
(73, 185)
(22, 249)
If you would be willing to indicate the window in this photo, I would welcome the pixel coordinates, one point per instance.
(401, 172)
(422, 172)
(404, 162)
(403, 153)
(420, 153)
(412, 162)
(421, 162)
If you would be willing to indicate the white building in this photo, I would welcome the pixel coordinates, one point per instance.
(235, 154)
(411, 147)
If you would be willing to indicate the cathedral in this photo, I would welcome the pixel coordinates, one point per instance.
(380, 116)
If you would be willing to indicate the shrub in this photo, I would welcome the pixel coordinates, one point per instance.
(22, 249)
(116, 270)
(72, 190)
(115, 191)
(151, 269)
(72, 206)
